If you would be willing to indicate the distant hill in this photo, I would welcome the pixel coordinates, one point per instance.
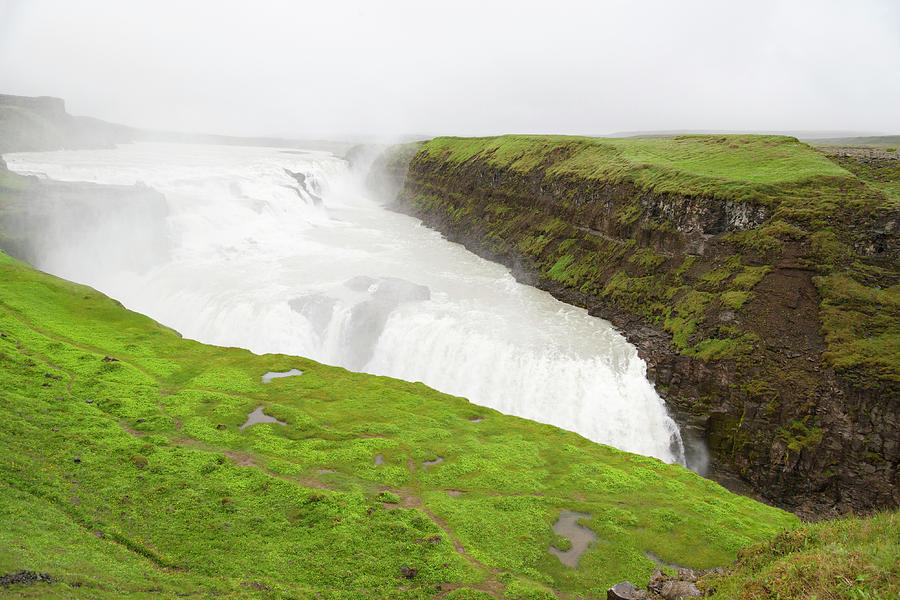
(870, 140)
(42, 123)
(801, 134)
(29, 124)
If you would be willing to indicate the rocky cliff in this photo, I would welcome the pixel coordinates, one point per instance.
(42, 123)
(757, 279)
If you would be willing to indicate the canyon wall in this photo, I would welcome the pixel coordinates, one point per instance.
(757, 280)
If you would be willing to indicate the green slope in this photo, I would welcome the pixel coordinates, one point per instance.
(774, 171)
(169, 496)
(853, 558)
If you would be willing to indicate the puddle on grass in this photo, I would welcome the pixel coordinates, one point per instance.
(476, 419)
(661, 562)
(379, 459)
(429, 463)
(268, 377)
(454, 493)
(258, 416)
(580, 536)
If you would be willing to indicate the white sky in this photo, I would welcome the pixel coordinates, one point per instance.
(344, 67)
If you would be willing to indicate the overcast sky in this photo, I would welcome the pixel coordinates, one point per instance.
(339, 67)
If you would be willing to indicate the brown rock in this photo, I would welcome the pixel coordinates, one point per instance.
(673, 589)
(625, 591)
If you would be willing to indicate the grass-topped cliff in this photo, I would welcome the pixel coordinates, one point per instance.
(800, 193)
(42, 123)
(124, 471)
(758, 278)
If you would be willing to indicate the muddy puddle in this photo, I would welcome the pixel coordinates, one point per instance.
(268, 377)
(662, 562)
(258, 416)
(430, 463)
(581, 537)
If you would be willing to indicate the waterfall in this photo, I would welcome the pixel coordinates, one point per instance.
(284, 252)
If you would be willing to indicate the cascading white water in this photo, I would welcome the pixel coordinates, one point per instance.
(256, 259)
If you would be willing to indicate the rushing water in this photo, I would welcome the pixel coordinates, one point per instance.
(310, 265)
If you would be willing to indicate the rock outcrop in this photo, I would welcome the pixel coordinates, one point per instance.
(663, 587)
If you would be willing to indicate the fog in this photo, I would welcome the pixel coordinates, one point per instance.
(351, 68)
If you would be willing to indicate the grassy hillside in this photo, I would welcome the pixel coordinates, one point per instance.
(853, 558)
(123, 470)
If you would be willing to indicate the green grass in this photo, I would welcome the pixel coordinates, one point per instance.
(170, 497)
(882, 174)
(853, 559)
(761, 169)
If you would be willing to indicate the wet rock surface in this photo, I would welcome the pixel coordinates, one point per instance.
(308, 188)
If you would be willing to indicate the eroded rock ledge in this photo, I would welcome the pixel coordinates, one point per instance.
(725, 299)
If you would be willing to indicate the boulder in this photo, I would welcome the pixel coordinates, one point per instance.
(674, 589)
(625, 591)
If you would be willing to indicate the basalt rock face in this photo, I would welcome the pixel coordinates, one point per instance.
(731, 331)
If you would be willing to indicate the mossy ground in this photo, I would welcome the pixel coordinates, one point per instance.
(169, 496)
(853, 558)
(769, 170)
